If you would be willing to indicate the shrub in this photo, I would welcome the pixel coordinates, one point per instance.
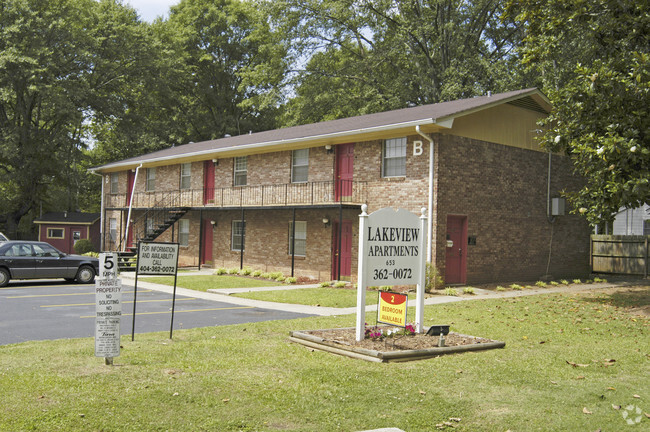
(451, 291)
(291, 280)
(554, 283)
(245, 271)
(83, 246)
(468, 290)
(257, 273)
(564, 282)
(385, 287)
(433, 279)
(597, 279)
(500, 288)
(266, 275)
(541, 284)
(340, 284)
(280, 279)
(325, 284)
(577, 281)
(233, 271)
(516, 287)
(276, 275)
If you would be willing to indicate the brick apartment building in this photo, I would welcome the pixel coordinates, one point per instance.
(289, 199)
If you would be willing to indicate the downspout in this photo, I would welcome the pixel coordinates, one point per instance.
(101, 214)
(430, 201)
(128, 218)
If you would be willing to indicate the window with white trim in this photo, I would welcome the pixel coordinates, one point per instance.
(112, 229)
(115, 182)
(186, 175)
(184, 232)
(299, 166)
(240, 171)
(301, 238)
(394, 158)
(55, 233)
(238, 235)
(151, 179)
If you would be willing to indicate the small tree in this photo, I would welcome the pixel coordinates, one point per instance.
(433, 279)
(83, 246)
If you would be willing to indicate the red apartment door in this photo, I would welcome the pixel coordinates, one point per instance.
(130, 180)
(206, 254)
(456, 257)
(344, 171)
(208, 182)
(346, 250)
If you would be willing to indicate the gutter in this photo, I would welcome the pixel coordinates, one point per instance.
(101, 214)
(430, 201)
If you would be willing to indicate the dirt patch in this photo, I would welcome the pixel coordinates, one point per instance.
(347, 337)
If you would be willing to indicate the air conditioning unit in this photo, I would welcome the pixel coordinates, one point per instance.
(558, 206)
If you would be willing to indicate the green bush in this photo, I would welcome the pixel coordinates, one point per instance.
(325, 284)
(468, 290)
(220, 271)
(340, 284)
(291, 280)
(433, 279)
(233, 271)
(276, 275)
(451, 292)
(245, 271)
(83, 246)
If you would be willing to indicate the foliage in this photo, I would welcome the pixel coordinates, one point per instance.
(596, 73)
(541, 284)
(340, 284)
(357, 57)
(433, 279)
(451, 291)
(469, 290)
(221, 271)
(325, 284)
(92, 254)
(83, 246)
(291, 280)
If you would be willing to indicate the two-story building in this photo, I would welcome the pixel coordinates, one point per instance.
(289, 199)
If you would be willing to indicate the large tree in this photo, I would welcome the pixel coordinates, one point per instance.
(594, 56)
(63, 64)
(358, 56)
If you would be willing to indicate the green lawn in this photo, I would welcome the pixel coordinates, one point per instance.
(250, 378)
(325, 297)
(205, 282)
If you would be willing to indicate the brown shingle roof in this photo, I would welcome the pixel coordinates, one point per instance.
(421, 115)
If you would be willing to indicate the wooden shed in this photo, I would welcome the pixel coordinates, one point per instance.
(63, 229)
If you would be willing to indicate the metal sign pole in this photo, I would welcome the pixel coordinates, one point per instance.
(171, 326)
(135, 293)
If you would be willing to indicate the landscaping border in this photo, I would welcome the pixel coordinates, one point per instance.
(316, 342)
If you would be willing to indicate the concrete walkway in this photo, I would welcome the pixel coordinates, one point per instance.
(223, 295)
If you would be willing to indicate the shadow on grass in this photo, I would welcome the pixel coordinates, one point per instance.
(629, 298)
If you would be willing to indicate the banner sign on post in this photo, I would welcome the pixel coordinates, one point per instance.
(108, 308)
(392, 309)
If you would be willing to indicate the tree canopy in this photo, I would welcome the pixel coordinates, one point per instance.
(594, 57)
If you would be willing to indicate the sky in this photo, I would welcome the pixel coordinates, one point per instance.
(150, 9)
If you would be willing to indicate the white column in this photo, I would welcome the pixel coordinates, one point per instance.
(361, 275)
(419, 307)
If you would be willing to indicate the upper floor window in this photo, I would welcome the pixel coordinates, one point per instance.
(240, 171)
(394, 158)
(151, 179)
(184, 232)
(300, 238)
(186, 175)
(299, 166)
(114, 182)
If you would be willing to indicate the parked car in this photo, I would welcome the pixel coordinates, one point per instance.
(3, 238)
(40, 260)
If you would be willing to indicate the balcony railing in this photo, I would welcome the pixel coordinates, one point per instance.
(273, 195)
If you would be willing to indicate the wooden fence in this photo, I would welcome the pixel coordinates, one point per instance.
(620, 254)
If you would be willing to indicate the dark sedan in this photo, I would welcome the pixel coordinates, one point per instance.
(40, 260)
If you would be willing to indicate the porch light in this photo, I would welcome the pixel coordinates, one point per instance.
(215, 161)
(326, 221)
(329, 149)
(213, 223)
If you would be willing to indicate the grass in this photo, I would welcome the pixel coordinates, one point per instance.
(205, 282)
(326, 297)
(248, 377)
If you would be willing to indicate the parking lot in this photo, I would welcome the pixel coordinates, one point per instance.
(45, 309)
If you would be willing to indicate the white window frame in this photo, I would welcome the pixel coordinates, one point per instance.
(112, 229)
(240, 171)
(115, 183)
(301, 238)
(186, 176)
(238, 230)
(184, 232)
(151, 180)
(300, 166)
(50, 234)
(393, 151)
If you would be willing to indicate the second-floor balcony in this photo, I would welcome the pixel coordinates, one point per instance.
(271, 195)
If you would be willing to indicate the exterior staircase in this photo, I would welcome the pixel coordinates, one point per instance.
(147, 228)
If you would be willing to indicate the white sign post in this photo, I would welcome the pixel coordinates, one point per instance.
(108, 308)
(392, 246)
